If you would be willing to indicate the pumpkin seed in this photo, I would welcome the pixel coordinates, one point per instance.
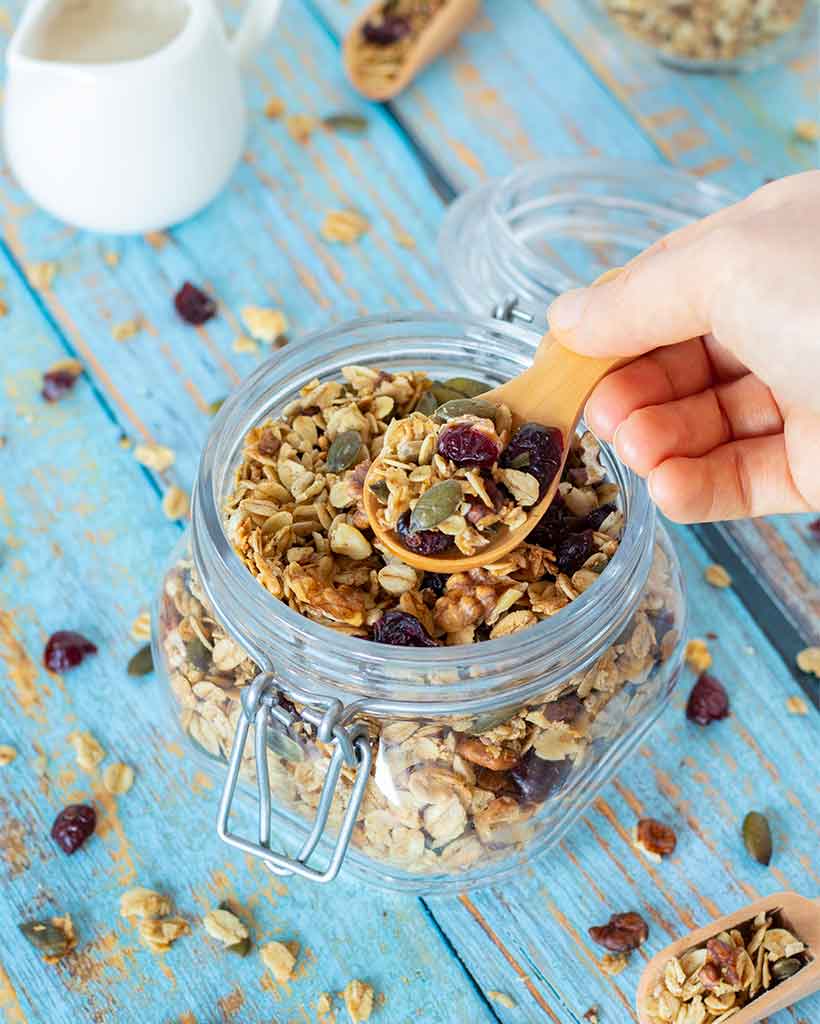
(458, 407)
(198, 654)
(215, 406)
(427, 404)
(467, 386)
(344, 452)
(435, 505)
(45, 936)
(142, 662)
(786, 967)
(380, 489)
(444, 394)
(757, 837)
(353, 124)
(521, 461)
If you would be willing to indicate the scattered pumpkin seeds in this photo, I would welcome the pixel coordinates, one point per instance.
(786, 967)
(467, 386)
(458, 407)
(716, 576)
(757, 837)
(436, 504)
(344, 451)
(142, 662)
(7, 754)
(118, 778)
(427, 404)
(53, 938)
(352, 124)
(381, 490)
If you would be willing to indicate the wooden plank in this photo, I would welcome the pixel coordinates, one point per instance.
(82, 545)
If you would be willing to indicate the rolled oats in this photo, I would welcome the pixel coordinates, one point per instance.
(146, 903)
(698, 655)
(245, 345)
(127, 329)
(502, 999)
(358, 999)
(344, 226)
(808, 660)
(7, 754)
(88, 751)
(265, 324)
(716, 576)
(225, 927)
(175, 503)
(280, 959)
(118, 778)
(141, 627)
(159, 935)
(154, 456)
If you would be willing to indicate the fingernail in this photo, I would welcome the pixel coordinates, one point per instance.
(650, 486)
(615, 441)
(566, 311)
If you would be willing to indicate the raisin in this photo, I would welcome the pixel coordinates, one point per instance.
(73, 825)
(536, 778)
(708, 702)
(66, 649)
(655, 837)
(435, 581)
(193, 305)
(401, 630)
(594, 519)
(543, 447)
(465, 445)
(622, 933)
(389, 30)
(423, 542)
(57, 383)
(573, 551)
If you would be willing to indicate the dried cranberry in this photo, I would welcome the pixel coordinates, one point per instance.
(814, 528)
(542, 446)
(389, 30)
(573, 551)
(594, 519)
(401, 630)
(193, 305)
(537, 778)
(466, 445)
(708, 701)
(552, 526)
(565, 709)
(57, 383)
(435, 581)
(73, 825)
(66, 649)
(423, 542)
(622, 933)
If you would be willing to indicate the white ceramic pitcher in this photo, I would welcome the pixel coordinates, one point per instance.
(141, 140)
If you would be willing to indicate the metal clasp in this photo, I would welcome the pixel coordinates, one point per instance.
(508, 310)
(351, 746)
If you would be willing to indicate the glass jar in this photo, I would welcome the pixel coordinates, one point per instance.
(404, 753)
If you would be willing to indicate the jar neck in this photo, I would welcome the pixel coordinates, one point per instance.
(438, 680)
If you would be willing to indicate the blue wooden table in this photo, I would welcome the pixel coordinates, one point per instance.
(83, 541)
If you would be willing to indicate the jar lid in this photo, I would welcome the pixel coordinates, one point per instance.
(511, 245)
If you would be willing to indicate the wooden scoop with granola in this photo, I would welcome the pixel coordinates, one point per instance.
(740, 968)
(460, 488)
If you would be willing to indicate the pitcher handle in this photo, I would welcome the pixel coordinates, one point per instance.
(255, 27)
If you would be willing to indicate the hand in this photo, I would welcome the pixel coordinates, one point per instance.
(721, 408)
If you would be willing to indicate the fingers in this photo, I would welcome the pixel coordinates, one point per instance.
(695, 425)
(736, 481)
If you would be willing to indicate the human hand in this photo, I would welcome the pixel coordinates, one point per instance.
(721, 408)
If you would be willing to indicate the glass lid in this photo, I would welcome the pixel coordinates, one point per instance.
(509, 246)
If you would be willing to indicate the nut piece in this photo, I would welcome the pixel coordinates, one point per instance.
(808, 660)
(344, 226)
(7, 754)
(280, 958)
(154, 456)
(358, 997)
(225, 927)
(613, 963)
(175, 503)
(88, 751)
(118, 778)
(159, 935)
(698, 656)
(622, 933)
(655, 839)
(264, 323)
(717, 576)
(147, 903)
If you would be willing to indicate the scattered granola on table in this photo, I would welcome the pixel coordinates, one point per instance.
(622, 933)
(145, 903)
(175, 503)
(358, 999)
(345, 226)
(280, 959)
(87, 749)
(53, 938)
(381, 47)
(224, 926)
(655, 839)
(264, 323)
(711, 982)
(808, 660)
(141, 627)
(301, 126)
(60, 378)
(7, 754)
(796, 706)
(127, 329)
(160, 934)
(698, 656)
(157, 457)
(716, 576)
(118, 778)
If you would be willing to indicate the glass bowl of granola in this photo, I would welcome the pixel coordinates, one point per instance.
(430, 733)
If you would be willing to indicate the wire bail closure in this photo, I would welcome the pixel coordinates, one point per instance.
(351, 747)
(508, 311)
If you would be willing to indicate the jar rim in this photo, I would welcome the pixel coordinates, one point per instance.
(253, 609)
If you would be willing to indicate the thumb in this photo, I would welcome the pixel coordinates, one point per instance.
(661, 298)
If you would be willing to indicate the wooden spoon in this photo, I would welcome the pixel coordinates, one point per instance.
(443, 29)
(800, 915)
(552, 392)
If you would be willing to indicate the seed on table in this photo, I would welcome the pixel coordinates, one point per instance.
(717, 576)
(53, 938)
(141, 663)
(757, 837)
(353, 124)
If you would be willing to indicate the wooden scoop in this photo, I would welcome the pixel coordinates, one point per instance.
(441, 31)
(552, 392)
(800, 915)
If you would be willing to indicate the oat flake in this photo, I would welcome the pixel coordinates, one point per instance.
(717, 576)
(264, 323)
(126, 329)
(158, 936)
(7, 754)
(145, 903)
(155, 456)
(245, 345)
(118, 778)
(358, 997)
(698, 656)
(797, 706)
(280, 959)
(344, 226)
(225, 927)
(808, 660)
(502, 999)
(88, 751)
(141, 627)
(175, 503)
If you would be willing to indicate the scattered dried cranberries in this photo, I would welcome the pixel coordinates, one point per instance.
(73, 825)
(401, 630)
(435, 581)
(57, 383)
(573, 550)
(423, 542)
(622, 933)
(466, 445)
(708, 702)
(193, 305)
(66, 649)
(536, 450)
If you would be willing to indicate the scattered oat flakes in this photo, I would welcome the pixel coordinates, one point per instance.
(111, 258)
(175, 503)
(697, 655)
(502, 999)
(7, 754)
(141, 627)
(797, 706)
(301, 126)
(808, 660)
(717, 576)
(264, 323)
(807, 130)
(344, 226)
(126, 329)
(613, 963)
(155, 456)
(159, 935)
(403, 239)
(41, 275)
(324, 1007)
(358, 997)
(280, 958)
(245, 345)
(156, 239)
(3, 308)
(141, 902)
(225, 927)
(274, 107)
(88, 751)
(118, 778)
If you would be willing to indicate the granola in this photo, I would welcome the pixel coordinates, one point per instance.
(706, 29)
(380, 49)
(358, 999)
(280, 959)
(711, 982)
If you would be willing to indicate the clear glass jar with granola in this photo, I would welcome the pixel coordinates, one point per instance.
(449, 728)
